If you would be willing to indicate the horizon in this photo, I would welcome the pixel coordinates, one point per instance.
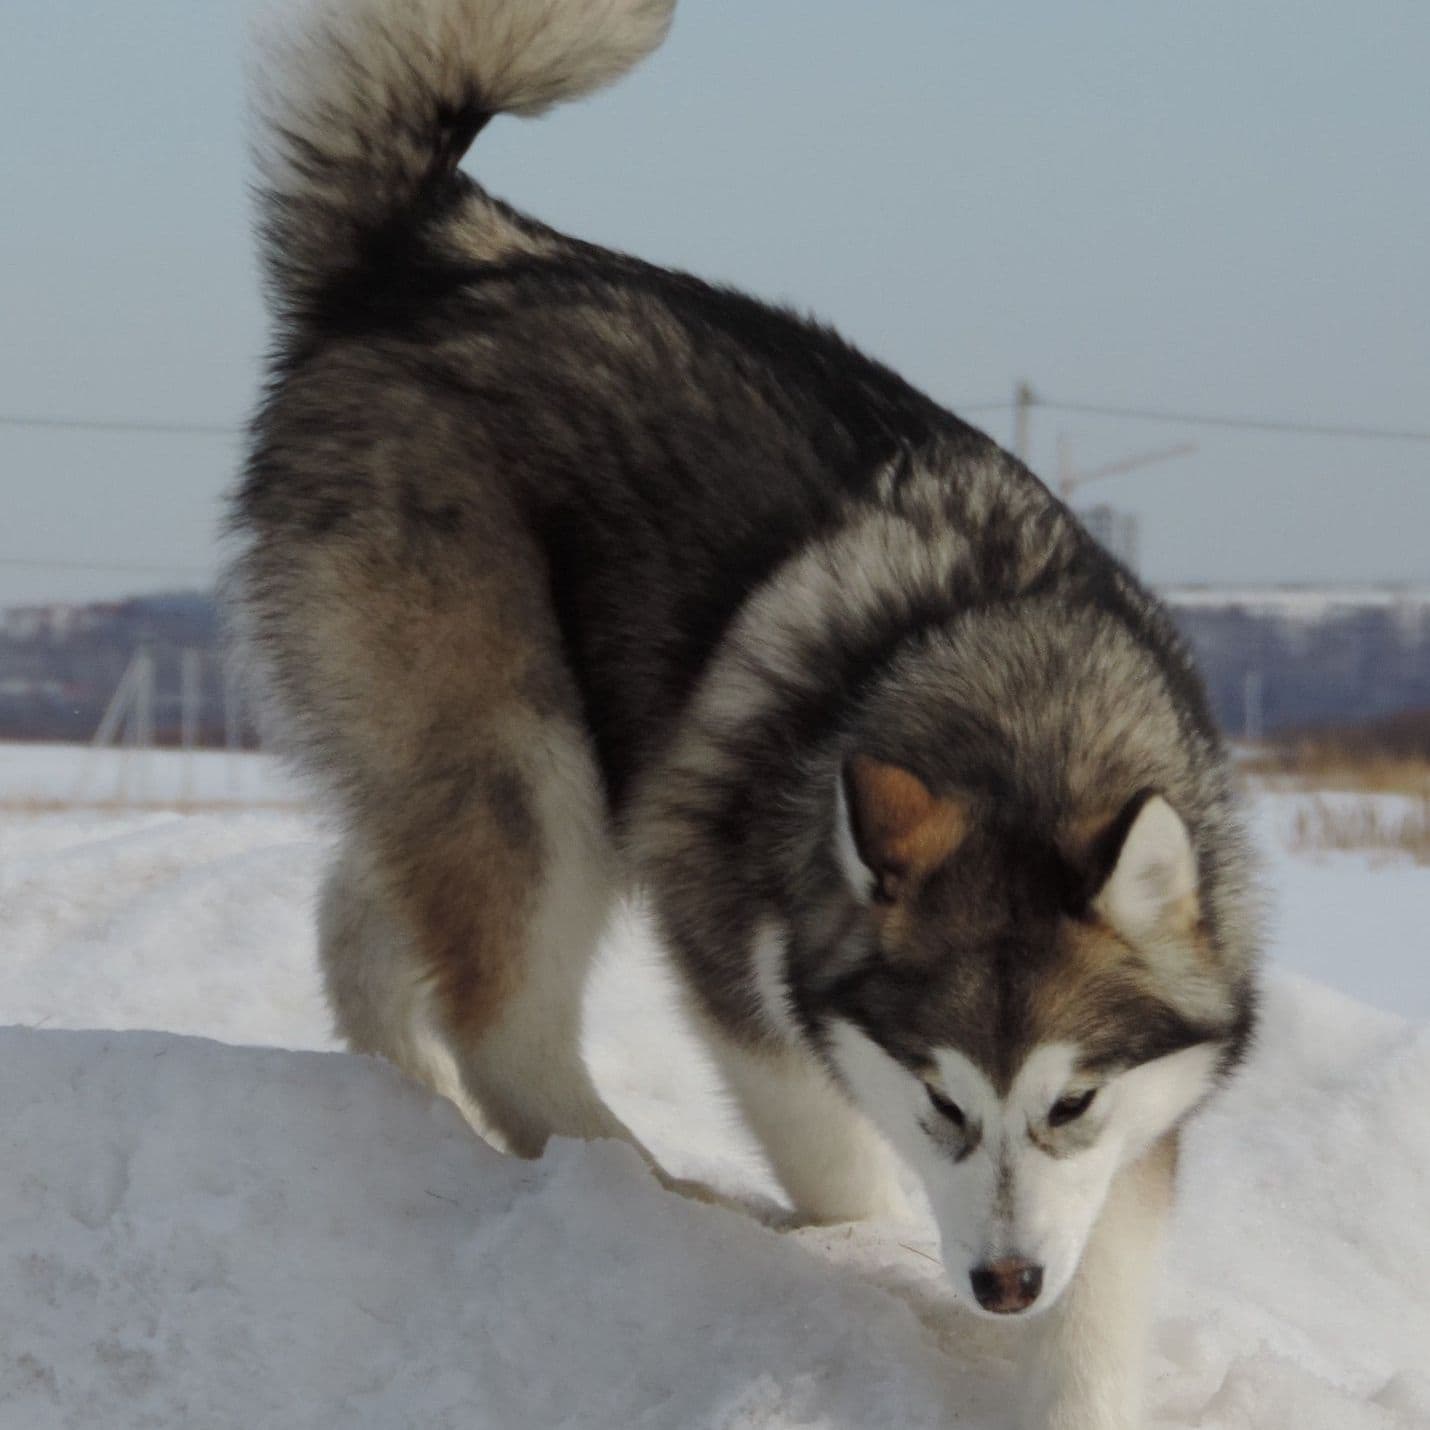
(1407, 589)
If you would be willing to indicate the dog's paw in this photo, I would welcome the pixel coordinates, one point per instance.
(750, 1204)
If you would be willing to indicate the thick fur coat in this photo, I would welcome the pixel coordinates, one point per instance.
(565, 574)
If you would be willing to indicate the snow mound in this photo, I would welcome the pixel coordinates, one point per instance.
(1295, 1291)
(196, 1234)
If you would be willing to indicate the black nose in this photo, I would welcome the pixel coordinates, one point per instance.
(1007, 1287)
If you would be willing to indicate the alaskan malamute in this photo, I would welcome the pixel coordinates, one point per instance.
(568, 573)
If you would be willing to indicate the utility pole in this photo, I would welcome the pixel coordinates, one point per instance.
(1252, 721)
(190, 697)
(140, 726)
(232, 730)
(127, 725)
(1023, 399)
(118, 708)
(110, 724)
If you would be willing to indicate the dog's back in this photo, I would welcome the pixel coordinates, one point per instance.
(505, 495)
(459, 390)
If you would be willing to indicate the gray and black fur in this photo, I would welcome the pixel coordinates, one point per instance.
(510, 493)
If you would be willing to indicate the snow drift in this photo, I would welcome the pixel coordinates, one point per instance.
(201, 1235)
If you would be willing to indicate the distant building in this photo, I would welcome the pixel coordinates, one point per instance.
(60, 663)
(1291, 657)
(1115, 531)
(57, 621)
(19, 687)
(28, 623)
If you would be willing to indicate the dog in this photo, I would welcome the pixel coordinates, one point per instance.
(566, 574)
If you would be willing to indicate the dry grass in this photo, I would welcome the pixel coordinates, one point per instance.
(25, 804)
(1390, 755)
(1375, 826)
(1321, 767)
(1353, 795)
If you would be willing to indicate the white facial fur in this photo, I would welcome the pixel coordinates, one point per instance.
(1009, 1197)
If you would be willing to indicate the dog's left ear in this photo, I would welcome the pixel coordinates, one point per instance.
(891, 831)
(1151, 880)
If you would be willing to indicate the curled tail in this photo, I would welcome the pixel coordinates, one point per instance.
(365, 107)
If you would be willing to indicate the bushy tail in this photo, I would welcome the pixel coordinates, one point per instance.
(365, 107)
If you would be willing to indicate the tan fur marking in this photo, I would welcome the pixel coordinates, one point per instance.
(1081, 833)
(904, 831)
(440, 679)
(1095, 959)
(1098, 963)
(468, 895)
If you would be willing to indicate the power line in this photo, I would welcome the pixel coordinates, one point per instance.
(219, 429)
(138, 568)
(104, 424)
(1088, 409)
(1245, 424)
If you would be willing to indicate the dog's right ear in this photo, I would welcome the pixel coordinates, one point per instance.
(891, 831)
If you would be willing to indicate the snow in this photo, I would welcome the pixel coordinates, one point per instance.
(1357, 921)
(42, 774)
(344, 1252)
(192, 924)
(262, 1231)
(1303, 603)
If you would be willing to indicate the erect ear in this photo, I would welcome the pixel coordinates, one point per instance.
(892, 830)
(1153, 878)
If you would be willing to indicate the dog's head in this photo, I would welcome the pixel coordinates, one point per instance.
(1023, 1012)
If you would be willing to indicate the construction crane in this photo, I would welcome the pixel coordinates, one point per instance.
(1069, 480)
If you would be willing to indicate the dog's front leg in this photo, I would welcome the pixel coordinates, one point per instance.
(1089, 1351)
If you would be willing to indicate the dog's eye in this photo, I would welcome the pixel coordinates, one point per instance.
(1070, 1108)
(945, 1106)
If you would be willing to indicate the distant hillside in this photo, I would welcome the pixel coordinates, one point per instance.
(1275, 657)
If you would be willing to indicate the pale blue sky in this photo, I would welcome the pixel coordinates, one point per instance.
(1217, 206)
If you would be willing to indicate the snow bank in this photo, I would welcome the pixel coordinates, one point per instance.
(193, 1234)
(1359, 921)
(193, 924)
(1296, 1289)
(200, 1235)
